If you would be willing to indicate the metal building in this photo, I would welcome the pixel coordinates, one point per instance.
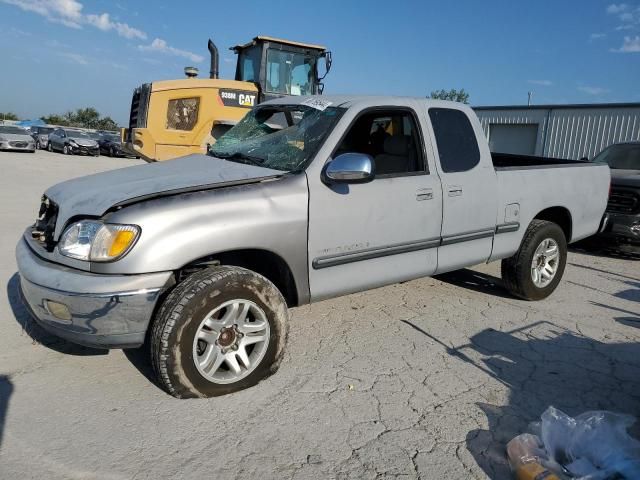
(561, 131)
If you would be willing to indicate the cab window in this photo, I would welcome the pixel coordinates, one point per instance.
(289, 73)
(390, 137)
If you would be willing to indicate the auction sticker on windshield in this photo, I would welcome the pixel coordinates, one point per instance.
(317, 103)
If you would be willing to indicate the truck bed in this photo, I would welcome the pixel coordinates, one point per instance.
(503, 161)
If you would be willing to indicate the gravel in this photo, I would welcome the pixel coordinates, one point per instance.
(425, 379)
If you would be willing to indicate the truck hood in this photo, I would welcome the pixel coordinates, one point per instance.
(94, 195)
(16, 137)
(625, 178)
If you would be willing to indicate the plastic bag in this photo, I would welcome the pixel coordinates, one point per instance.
(528, 458)
(592, 446)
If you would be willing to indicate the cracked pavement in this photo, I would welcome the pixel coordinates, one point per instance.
(425, 379)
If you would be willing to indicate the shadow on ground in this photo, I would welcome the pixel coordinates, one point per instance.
(477, 281)
(543, 364)
(6, 389)
(37, 334)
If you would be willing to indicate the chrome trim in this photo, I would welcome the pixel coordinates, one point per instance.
(371, 253)
(604, 222)
(508, 227)
(126, 293)
(466, 237)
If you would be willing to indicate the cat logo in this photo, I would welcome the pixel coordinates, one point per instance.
(246, 100)
(237, 98)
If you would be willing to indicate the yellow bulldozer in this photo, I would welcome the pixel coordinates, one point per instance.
(173, 118)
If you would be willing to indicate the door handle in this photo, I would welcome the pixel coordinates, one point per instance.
(424, 194)
(454, 191)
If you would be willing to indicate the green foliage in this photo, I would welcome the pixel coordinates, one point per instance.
(82, 117)
(452, 95)
(8, 116)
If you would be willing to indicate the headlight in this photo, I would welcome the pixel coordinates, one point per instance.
(95, 241)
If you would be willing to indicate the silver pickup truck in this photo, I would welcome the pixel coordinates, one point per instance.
(305, 199)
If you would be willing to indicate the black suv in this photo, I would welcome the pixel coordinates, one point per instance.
(622, 217)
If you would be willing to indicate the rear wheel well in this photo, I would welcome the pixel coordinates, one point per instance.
(266, 263)
(560, 216)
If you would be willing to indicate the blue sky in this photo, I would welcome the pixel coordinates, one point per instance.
(64, 54)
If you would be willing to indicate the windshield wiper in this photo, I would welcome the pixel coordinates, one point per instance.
(241, 157)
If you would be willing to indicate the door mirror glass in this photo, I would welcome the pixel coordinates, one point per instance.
(349, 168)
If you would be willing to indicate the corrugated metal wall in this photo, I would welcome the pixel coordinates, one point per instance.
(570, 133)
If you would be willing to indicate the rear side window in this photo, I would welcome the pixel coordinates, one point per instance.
(182, 113)
(456, 140)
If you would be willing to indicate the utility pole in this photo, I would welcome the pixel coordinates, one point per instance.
(530, 94)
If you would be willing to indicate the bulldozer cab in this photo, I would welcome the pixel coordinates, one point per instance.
(281, 67)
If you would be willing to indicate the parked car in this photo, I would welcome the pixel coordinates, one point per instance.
(622, 217)
(70, 141)
(111, 144)
(303, 200)
(41, 136)
(16, 138)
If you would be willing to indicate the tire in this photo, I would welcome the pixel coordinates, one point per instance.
(49, 147)
(65, 150)
(176, 353)
(112, 152)
(517, 270)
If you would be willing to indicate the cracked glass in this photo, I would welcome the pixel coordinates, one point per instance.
(277, 137)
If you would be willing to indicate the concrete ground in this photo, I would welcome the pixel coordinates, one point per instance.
(426, 379)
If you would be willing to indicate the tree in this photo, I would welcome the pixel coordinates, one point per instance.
(82, 117)
(452, 95)
(8, 116)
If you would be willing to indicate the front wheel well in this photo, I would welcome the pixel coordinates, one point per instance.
(268, 264)
(560, 216)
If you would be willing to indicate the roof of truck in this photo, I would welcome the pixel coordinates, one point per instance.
(363, 101)
(279, 40)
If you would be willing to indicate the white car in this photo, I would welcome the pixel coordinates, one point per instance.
(16, 138)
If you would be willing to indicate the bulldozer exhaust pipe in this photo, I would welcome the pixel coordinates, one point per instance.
(215, 59)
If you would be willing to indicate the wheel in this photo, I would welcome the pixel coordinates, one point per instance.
(535, 271)
(49, 147)
(38, 146)
(112, 152)
(65, 150)
(221, 330)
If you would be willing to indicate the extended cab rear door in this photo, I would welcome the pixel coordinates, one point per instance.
(469, 183)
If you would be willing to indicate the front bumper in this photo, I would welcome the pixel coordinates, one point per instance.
(623, 228)
(102, 311)
(18, 146)
(81, 150)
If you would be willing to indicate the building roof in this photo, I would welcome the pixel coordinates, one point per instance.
(556, 106)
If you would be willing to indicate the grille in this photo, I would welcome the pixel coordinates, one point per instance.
(622, 200)
(44, 228)
(139, 107)
(18, 144)
(182, 113)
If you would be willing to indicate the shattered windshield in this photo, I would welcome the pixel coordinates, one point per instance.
(281, 137)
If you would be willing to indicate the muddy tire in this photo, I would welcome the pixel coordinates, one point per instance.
(221, 330)
(536, 269)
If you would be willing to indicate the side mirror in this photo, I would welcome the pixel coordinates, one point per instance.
(349, 168)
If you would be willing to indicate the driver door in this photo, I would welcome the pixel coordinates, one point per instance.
(362, 236)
